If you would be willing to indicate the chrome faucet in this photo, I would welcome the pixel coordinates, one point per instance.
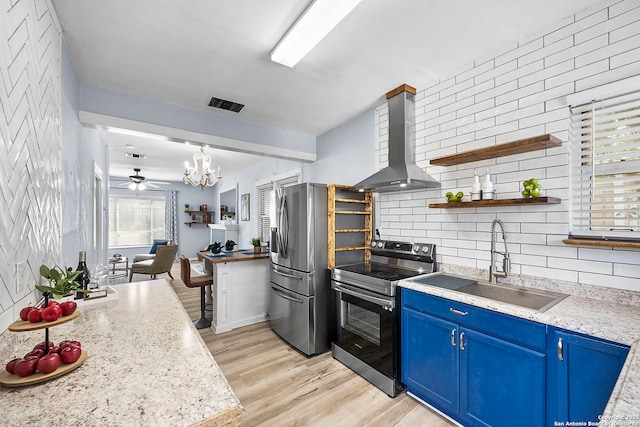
(506, 261)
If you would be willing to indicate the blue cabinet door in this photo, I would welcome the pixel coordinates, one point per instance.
(429, 356)
(582, 373)
(501, 384)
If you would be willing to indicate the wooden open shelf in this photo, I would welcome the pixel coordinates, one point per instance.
(349, 220)
(499, 202)
(602, 243)
(508, 149)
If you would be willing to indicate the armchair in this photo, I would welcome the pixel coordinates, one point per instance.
(152, 252)
(161, 263)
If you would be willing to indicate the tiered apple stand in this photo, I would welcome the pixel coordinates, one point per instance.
(12, 380)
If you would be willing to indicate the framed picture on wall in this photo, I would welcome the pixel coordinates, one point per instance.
(244, 207)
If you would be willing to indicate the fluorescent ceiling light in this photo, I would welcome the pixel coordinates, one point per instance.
(318, 19)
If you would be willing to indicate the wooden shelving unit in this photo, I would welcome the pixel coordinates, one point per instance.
(516, 147)
(499, 202)
(349, 224)
(202, 217)
(602, 243)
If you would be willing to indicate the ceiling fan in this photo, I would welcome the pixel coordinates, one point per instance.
(138, 182)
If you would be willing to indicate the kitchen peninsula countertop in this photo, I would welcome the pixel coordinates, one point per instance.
(146, 365)
(233, 256)
(600, 318)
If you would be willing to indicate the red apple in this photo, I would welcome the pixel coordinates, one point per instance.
(54, 349)
(25, 312)
(70, 354)
(67, 343)
(38, 352)
(11, 365)
(48, 363)
(51, 302)
(35, 315)
(26, 367)
(43, 345)
(51, 313)
(68, 307)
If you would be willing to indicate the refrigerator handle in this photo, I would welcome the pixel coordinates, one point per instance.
(290, 276)
(285, 296)
(284, 226)
(280, 196)
(274, 242)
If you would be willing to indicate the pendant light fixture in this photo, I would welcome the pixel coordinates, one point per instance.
(202, 166)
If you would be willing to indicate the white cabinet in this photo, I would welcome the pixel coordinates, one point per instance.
(239, 294)
(222, 232)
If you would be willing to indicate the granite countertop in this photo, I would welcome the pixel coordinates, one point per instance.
(602, 318)
(233, 256)
(146, 365)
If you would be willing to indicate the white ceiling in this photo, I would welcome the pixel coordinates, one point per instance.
(186, 52)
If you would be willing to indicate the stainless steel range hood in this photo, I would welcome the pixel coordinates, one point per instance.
(402, 173)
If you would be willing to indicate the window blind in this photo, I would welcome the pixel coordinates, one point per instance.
(135, 221)
(605, 168)
(265, 201)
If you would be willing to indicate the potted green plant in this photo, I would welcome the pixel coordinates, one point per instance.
(186, 207)
(256, 244)
(61, 282)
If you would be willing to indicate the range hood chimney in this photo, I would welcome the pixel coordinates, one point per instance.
(402, 173)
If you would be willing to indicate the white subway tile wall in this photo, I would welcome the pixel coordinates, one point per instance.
(521, 92)
(30, 150)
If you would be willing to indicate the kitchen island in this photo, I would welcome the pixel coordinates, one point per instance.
(239, 295)
(146, 365)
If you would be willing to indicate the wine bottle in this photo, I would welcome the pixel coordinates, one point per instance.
(83, 278)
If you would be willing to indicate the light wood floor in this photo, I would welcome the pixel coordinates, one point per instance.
(279, 386)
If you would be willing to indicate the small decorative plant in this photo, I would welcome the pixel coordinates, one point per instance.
(61, 282)
(255, 242)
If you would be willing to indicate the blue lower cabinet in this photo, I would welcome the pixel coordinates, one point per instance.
(582, 373)
(501, 384)
(475, 378)
(429, 360)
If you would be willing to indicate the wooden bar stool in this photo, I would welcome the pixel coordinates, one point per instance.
(194, 282)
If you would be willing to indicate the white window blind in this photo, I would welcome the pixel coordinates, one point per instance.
(605, 175)
(265, 200)
(135, 221)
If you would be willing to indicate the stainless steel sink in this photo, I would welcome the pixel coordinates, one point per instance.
(534, 299)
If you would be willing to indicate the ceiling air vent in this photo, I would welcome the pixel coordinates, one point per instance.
(136, 155)
(223, 104)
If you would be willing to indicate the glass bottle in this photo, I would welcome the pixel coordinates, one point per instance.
(83, 278)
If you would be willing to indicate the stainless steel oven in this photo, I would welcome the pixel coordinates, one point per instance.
(368, 335)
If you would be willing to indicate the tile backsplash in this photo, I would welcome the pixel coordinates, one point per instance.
(30, 150)
(519, 92)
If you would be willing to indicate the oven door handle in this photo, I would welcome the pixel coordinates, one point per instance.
(388, 304)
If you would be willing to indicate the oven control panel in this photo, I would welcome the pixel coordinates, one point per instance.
(390, 247)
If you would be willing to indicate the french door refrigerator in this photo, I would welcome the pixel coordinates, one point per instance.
(300, 301)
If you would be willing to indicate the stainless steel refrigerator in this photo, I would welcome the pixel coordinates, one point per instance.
(300, 301)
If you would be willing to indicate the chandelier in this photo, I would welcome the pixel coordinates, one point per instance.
(201, 162)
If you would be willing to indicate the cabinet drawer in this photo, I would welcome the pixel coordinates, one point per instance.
(509, 328)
